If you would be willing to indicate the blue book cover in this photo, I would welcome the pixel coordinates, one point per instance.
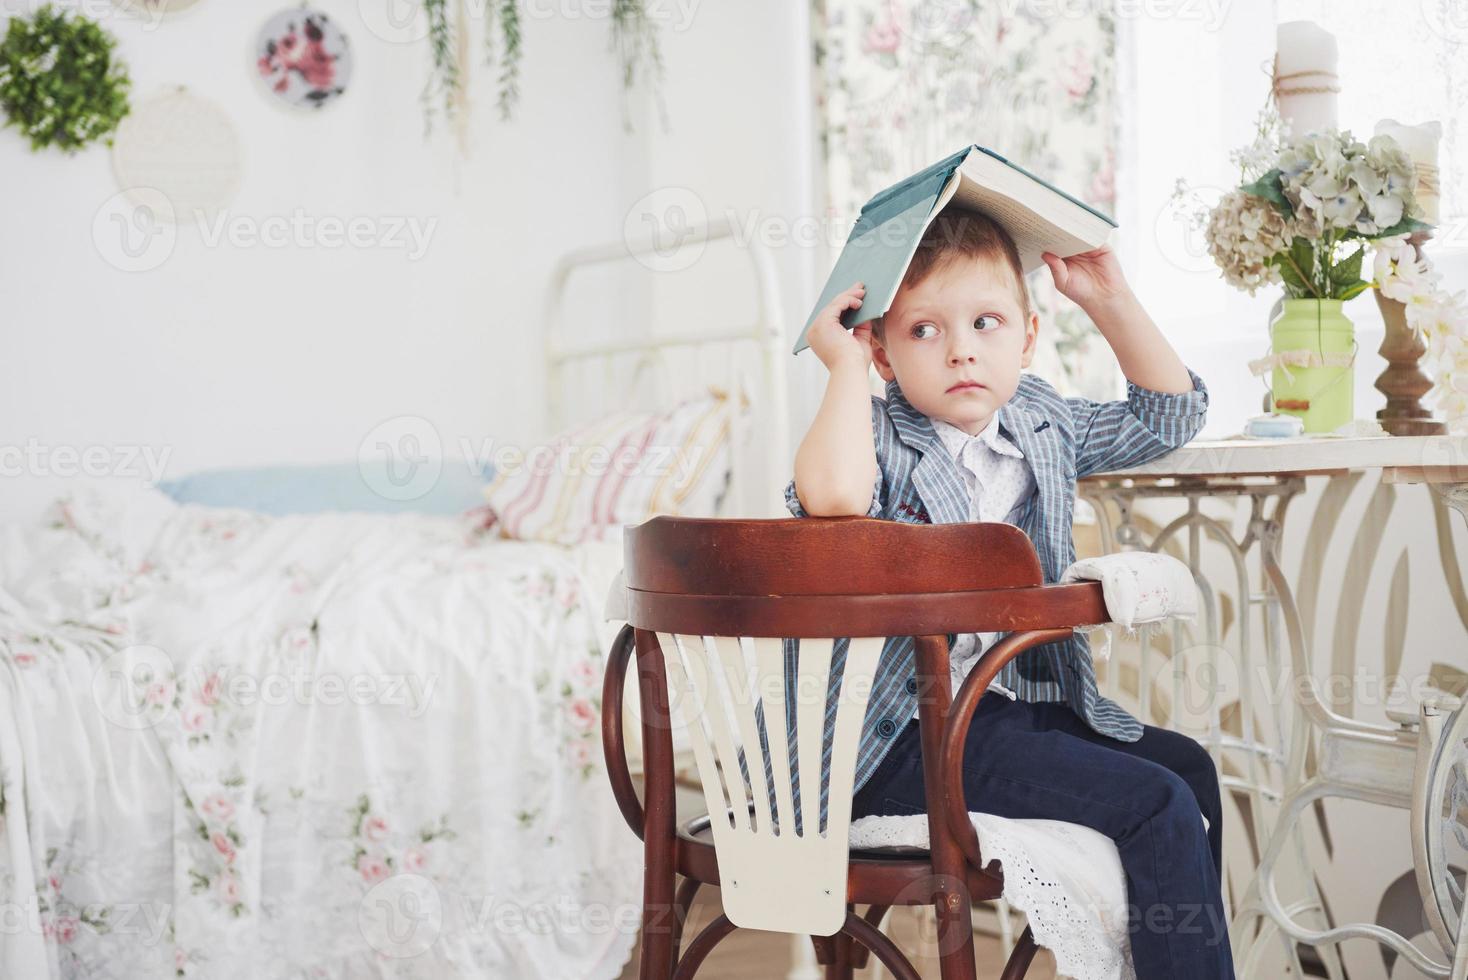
(1039, 216)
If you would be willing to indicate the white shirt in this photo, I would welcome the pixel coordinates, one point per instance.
(999, 482)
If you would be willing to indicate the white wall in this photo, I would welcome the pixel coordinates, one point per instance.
(243, 355)
(741, 143)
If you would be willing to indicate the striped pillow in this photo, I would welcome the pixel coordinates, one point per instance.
(588, 482)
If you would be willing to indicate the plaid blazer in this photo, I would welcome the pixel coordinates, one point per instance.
(918, 482)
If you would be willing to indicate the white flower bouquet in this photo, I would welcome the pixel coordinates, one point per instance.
(1303, 215)
(1306, 220)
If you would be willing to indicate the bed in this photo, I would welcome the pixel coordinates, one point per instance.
(342, 744)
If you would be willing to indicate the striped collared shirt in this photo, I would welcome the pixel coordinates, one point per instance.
(999, 483)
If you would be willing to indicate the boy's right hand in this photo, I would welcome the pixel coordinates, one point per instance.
(834, 344)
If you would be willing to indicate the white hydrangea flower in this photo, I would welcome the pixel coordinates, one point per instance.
(1337, 182)
(1243, 233)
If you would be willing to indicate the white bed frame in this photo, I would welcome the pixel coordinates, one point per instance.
(583, 380)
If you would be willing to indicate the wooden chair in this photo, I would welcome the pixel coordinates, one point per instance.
(694, 589)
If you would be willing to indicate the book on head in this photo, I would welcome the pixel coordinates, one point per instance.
(1039, 216)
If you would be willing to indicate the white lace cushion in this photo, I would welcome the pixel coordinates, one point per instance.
(1140, 586)
(1066, 878)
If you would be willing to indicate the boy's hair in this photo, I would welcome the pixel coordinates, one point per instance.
(959, 232)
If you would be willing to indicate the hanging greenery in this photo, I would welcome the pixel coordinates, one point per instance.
(60, 81)
(634, 36)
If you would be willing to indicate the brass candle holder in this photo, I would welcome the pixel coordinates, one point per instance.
(1403, 382)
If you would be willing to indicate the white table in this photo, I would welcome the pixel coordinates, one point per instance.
(1352, 758)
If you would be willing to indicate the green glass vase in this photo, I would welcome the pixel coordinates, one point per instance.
(1312, 384)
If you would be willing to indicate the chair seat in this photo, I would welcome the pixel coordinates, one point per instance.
(884, 876)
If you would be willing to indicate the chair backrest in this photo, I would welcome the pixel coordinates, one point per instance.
(720, 596)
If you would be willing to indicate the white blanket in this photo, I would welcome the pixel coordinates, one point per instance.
(329, 746)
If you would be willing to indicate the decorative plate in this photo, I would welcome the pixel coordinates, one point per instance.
(303, 57)
(181, 146)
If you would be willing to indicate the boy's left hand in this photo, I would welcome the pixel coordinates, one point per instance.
(1088, 278)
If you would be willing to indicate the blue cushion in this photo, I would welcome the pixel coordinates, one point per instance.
(374, 486)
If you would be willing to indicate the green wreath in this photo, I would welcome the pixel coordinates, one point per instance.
(60, 83)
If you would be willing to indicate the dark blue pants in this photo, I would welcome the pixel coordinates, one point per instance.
(1027, 759)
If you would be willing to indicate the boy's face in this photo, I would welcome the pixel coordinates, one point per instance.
(956, 342)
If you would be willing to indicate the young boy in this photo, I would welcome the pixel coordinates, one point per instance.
(964, 436)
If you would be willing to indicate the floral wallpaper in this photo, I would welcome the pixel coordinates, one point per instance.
(902, 83)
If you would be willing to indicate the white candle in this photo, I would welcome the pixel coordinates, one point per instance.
(1305, 81)
(1420, 143)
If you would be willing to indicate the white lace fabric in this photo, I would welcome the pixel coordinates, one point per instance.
(1066, 878)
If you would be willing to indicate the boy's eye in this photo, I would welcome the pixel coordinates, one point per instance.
(923, 330)
(994, 322)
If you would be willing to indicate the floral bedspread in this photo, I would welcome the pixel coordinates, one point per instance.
(336, 745)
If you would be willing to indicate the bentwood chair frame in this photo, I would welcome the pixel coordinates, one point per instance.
(691, 580)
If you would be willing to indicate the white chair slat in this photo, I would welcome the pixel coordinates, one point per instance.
(744, 692)
(769, 659)
(689, 678)
(861, 664)
(814, 670)
(717, 708)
